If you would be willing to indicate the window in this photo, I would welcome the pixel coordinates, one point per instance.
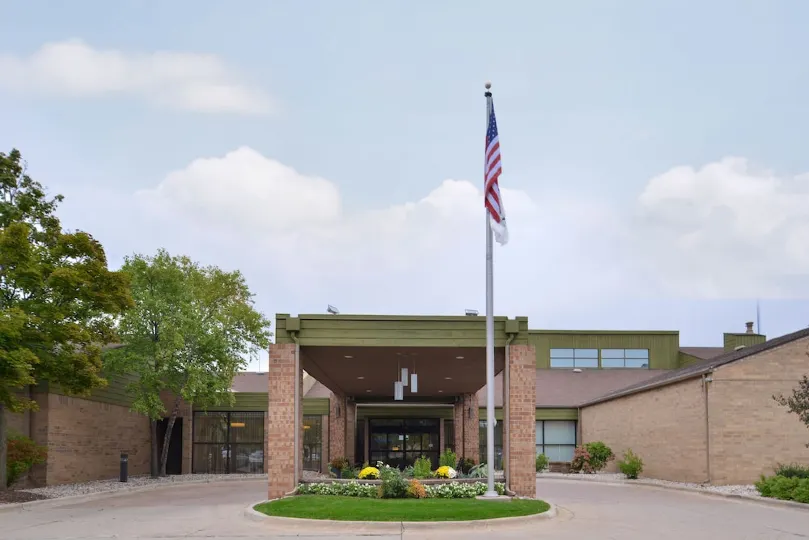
(556, 439)
(228, 442)
(625, 358)
(312, 442)
(574, 358)
(498, 444)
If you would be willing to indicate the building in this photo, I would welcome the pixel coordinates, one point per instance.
(554, 390)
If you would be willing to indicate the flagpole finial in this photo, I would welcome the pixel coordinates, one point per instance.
(488, 85)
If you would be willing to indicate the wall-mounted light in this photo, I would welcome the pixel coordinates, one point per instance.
(337, 412)
(470, 413)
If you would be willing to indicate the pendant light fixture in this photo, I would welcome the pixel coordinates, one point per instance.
(398, 391)
(414, 380)
(404, 376)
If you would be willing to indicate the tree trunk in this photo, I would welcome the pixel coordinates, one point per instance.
(154, 463)
(173, 418)
(3, 448)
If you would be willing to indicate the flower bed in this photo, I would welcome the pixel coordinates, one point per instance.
(446, 490)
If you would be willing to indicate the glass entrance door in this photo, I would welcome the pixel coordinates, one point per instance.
(399, 442)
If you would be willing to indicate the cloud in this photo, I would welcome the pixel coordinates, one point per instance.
(726, 230)
(186, 81)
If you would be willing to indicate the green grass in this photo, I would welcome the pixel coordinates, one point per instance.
(361, 509)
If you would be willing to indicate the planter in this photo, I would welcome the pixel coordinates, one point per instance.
(426, 481)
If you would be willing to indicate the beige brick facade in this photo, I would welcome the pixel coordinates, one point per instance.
(85, 439)
(750, 432)
(665, 427)
(735, 422)
(521, 429)
(280, 434)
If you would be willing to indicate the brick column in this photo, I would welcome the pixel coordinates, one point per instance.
(337, 426)
(351, 431)
(280, 434)
(441, 441)
(521, 427)
(467, 430)
(471, 427)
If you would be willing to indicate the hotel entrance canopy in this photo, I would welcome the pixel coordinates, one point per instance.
(362, 355)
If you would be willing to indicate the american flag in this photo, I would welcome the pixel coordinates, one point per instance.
(493, 168)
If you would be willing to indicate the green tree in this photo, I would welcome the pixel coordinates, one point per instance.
(798, 402)
(192, 329)
(58, 299)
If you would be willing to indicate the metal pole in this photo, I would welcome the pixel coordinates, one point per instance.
(489, 359)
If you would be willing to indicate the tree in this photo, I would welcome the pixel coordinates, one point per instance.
(190, 332)
(798, 402)
(58, 299)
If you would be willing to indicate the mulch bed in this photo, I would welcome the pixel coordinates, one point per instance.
(14, 496)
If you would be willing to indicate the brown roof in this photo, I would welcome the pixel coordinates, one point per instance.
(251, 381)
(701, 368)
(565, 388)
(704, 353)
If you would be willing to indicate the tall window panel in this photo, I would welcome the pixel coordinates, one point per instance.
(498, 444)
(574, 358)
(228, 442)
(625, 358)
(556, 439)
(449, 435)
(312, 442)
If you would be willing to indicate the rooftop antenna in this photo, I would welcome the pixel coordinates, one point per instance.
(758, 317)
(333, 310)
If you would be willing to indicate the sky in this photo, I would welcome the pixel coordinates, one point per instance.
(654, 165)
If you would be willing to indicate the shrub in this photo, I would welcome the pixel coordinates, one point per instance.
(415, 490)
(581, 461)
(479, 471)
(793, 470)
(393, 485)
(422, 468)
(338, 463)
(350, 473)
(456, 490)
(600, 455)
(408, 471)
(448, 459)
(784, 488)
(348, 489)
(465, 465)
(542, 462)
(631, 465)
(369, 473)
(445, 472)
(23, 453)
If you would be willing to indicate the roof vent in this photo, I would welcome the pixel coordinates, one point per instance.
(471, 312)
(749, 326)
(738, 347)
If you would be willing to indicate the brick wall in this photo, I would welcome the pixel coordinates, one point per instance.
(665, 427)
(337, 426)
(521, 431)
(750, 432)
(85, 439)
(280, 433)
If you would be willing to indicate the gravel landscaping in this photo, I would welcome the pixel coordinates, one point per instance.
(103, 486)
(743, 490)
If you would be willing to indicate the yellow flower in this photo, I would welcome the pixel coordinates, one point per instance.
(445, 472)
(369, 473)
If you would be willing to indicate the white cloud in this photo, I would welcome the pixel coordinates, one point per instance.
(726, 230)
(187, 81)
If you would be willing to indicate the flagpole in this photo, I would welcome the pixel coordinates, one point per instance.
(489, 337)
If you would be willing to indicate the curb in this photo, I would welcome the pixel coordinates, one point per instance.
(393, 527)
(640, 483)
(87, 497)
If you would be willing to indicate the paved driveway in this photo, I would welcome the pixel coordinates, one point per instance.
(587, 511)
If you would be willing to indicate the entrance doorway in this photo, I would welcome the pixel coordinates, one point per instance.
(399, 442)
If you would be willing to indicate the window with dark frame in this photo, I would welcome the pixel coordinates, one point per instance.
(625, 358)
(228, 442)
(498, 444)
(312, 442)
(574, 358)
(556, 439)
(603, 358)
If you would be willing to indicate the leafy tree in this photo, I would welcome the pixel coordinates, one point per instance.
(798, 402)
(190, 332)
(58, 299)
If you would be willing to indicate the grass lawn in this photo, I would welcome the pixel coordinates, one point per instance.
(362, 509)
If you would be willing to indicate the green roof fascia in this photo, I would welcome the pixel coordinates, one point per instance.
(557, 414)
(396, 330)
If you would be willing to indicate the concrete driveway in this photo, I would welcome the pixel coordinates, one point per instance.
(587, 511)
